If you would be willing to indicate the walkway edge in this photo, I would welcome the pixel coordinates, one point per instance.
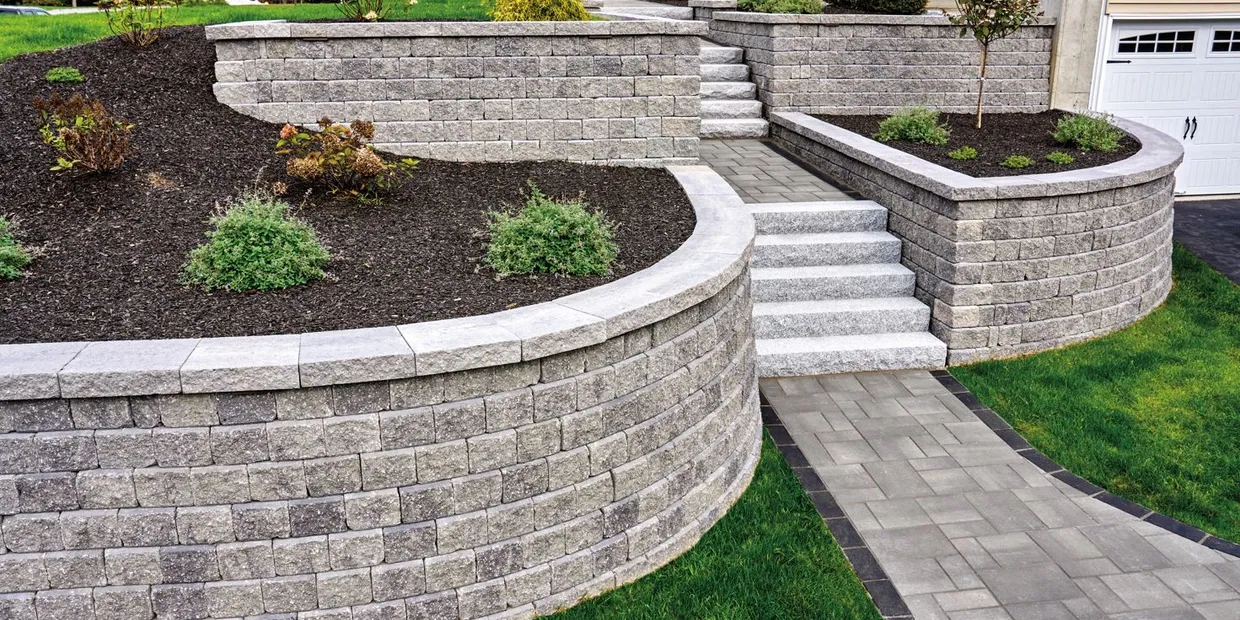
(1022, 447)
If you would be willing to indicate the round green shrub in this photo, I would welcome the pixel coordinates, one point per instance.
(256, 246)
(1016, 162)
(963, 153)
(538, 11)
(884, 7)
(547, 236)
(64, 75)
(917, 124)
(1060, 158)
(804, 7)
(13, 257)
(1088, 132)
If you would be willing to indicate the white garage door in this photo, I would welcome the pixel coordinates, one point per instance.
(1182, 77)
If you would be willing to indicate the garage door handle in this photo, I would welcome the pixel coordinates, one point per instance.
(1194, 134)
(1188, 125)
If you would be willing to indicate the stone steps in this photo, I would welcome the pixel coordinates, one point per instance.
(831, 282)
(830, 294)
(839, 317)
(834, 248)
(819, 217)
(730, 108)
(790, 357)
(664, 12)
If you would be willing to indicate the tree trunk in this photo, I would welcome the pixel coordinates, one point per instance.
(981, 86)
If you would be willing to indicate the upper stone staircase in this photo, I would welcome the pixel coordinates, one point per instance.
(830, 294)
(730, 108)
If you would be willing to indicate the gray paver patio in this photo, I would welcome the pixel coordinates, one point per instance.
(761, 175)
(966, 528)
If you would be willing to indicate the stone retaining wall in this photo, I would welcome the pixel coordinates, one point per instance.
(507, 465)
(1014, 265)
(876, 64)
(616, 92)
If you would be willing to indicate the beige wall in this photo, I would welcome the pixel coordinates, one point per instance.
(1164, 7)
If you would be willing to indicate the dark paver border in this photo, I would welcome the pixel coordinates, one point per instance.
(879, 586)
(1022, 447)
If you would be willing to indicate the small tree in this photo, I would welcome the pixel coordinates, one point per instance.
(989, 21)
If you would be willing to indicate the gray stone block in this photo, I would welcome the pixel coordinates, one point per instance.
(372, 509)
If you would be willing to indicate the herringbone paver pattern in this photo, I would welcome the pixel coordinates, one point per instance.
(967, 529)
(761, 175)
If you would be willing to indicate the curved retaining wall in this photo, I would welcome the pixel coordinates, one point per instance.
(604, 91)
(506, 465)
(1014, 265)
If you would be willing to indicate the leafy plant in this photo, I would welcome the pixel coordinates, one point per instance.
(807, 7)
(341, 159)
(371, 10)
(963, 153)
(917, 124)
(1016, 162)
(83, 133)
(63, 75)
(1059, 157)
(989, 21)
(256, 246)
(1088, 132)
(539, 11)
(884, 7)
(549, 236)
(13, 257)
(137, 22)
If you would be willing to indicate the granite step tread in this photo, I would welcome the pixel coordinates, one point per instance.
(728, 90)
(830, 248)
(731, 108)
(831, 282)
(733, 127)
(788, 357)
(725, 73)
(720, 55)
(839, 317)
(814, 217)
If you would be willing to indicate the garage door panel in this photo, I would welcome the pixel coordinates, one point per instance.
(1168, 86)
(1215, 129)
(1222, 86)
(1130, 87)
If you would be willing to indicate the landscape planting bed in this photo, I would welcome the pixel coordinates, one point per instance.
(1001, 135)
(114, 244)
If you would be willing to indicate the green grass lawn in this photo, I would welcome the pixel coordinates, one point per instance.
(1152, 412)
(770, 557)
(36, 33)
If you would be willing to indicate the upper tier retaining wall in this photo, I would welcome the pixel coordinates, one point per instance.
(1015, 265)
(605, 91)
(876, 64)
(512, 463)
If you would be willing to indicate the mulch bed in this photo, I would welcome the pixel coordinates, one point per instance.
(113, 244)
(1001, 135)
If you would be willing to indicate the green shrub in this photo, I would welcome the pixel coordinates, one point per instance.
(1060, 158)
(1016, 161)
(13, 257)
(548, 236)
(63, 75)
(807, 7)
(884, 7)
(539, 11)
(1088, 132)
(256, 246)
(919, 124)
(964, 152)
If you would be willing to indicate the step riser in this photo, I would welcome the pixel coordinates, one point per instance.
(843, 323)
(722, 55)
(859, 220)
(812, 255)
(731, 109)
(729, 90)
(732, 128)
(848, 287)
(668, 12)
(829, 362)
(725, 73)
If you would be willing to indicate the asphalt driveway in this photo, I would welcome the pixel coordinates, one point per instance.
(1211, 230)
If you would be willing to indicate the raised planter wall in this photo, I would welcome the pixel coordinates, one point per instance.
(876, 64)
(512, 463)
(1015, 265)
(622, 92)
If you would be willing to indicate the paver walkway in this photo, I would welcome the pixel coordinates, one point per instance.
(966, 528)
(761, 175)
(1211, 230)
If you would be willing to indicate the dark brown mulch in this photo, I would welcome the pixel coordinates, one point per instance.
(113, 244)
(1001, 135)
